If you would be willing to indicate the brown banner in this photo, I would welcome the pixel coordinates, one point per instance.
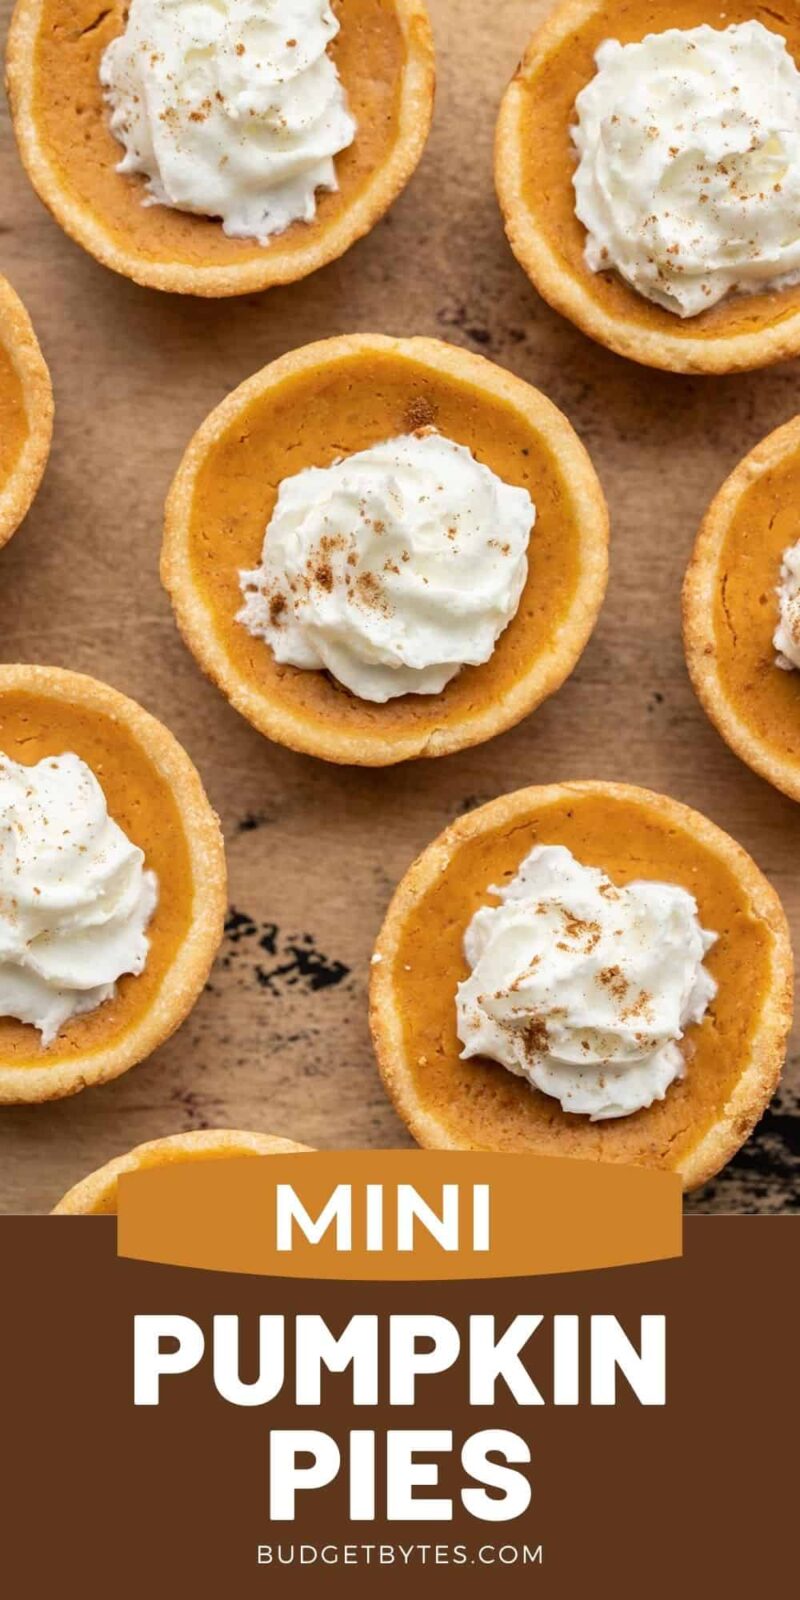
(399, 1215)
(694, 1498)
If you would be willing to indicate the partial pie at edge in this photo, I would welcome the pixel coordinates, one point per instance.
(61, 124)
(734, 1056)
(26, 412)
(96, 1195)
(534, 164)
(730, 610)
(156, 795)
(332, 399)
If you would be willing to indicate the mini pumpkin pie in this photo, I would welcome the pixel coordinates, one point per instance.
(112, 883)
(648, 168)
(26, 412)
(586, 970)
(219, 149)
(96, 1196)
(741, 610)
(385, 548)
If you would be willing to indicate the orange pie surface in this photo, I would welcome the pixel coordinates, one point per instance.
(13, 416)
(479, 1104)
(731, 609)
(538, 196)
(765, 523)
(143, 804)
(72, 123)
(26, 411)
(370, 391)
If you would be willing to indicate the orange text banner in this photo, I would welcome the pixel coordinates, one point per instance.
(398, 1215)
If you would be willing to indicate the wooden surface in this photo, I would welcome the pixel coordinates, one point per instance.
(280, 1041)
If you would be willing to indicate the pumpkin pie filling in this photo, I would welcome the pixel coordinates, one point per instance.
(26, 412)
(628, 835)
(143, 805)
(536, 161)
(365, 392)
(154, 795)
(731, 610)
(746, 608)
(76, 894)
(383, 55)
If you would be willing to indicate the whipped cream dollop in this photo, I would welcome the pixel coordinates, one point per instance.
(688, 180)
(392, 568)
(75, 897)
(786, 638)
(583, 988)
(230, 108)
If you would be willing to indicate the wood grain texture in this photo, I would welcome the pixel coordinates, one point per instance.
(279, 1041)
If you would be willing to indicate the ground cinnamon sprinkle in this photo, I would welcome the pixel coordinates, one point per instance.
(536, 1037)
(323, 575)
(611, 978)
(522, 977)
(640, 1009)
(369, 590)
(580, 930)
(420, 413)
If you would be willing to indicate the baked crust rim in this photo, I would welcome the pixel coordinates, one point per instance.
(276, 265)
(185, 977)
(572, 295)
(289, 726)
(700, 586)
(84, 1197)
(22, 346)
(759, 1075)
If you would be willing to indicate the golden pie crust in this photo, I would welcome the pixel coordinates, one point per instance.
(534, 164)
(26, 412)
(730, 610)
(332, 399)
(385, 57)
(734, 1056)
(96, 1196)
(156, 796)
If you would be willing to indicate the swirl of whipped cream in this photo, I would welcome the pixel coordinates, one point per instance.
(584, 988)
(688, 180)
(75, 899)
(787, 634)
(230, 108)
(391, 569)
